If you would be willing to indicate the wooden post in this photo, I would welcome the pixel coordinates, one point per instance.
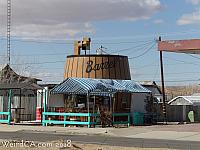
(41, 106)
(94, 104)
(94, 118)
(3, 102)
(113, 109)
(65, 118)
(9, 106)
(88, 108)
(20, 103)
(129, 118)
(163, 85)
(110, 97)
(44, 105)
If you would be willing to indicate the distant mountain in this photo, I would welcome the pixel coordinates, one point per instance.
(173, 91)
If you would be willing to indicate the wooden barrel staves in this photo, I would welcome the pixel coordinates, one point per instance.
(97, 66)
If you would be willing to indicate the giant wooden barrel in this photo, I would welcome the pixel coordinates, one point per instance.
(97, 66)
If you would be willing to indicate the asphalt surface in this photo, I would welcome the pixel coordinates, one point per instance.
(99, 139)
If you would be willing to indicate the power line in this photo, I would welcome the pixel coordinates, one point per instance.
(50, 62)
(171, 73)
(46, 54)
(51, 81)
(186, 80)
(43, 54)
(71, 43)
(133, 47)
(48, 68)
(111, 38)
(65, 61)
(181, 61)
(155, 64)
(144, 66)
(183, 80)
(193, 56)
(49, 76)
(38, 54)
(145, 52)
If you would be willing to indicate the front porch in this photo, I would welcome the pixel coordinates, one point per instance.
(93, 102)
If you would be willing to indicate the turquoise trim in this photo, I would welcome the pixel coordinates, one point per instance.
(44, 105)
(70, 114)
(88, 120)
(8, 113)
(4, 113)
(66, 114)
(65, 118)
(121, 114)
(66, 122)
(122, 122)
(88, 115)
(9, 106)
(5, 120)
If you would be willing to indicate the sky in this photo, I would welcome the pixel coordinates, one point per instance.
(43, 32)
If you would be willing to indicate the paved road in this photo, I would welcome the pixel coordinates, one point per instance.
(95, 139)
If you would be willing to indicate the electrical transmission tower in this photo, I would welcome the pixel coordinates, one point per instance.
(8, 30)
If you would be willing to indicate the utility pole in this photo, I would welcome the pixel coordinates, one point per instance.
(163, 85)
(8, 30)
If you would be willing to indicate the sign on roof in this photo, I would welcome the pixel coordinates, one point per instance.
(191, 46)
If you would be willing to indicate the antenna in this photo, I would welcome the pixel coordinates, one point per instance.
(8, 30)
(100, 50)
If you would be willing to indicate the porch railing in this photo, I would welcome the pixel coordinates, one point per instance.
(69, 118)
(80, 118)
(5, 120)
(122, 115)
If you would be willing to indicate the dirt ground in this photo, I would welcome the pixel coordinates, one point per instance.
(62, 145)
(193, 127)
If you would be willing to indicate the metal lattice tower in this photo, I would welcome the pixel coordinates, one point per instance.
(8, 30)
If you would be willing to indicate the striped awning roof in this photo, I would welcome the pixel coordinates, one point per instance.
(133, 87)
(103, 87)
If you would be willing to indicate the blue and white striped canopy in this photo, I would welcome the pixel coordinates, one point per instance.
(102, 87)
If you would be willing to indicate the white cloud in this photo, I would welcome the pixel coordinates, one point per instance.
(50, 31)
(59, 18)
(158, 21)
(191, 18)
(48, 77)
(194, 2)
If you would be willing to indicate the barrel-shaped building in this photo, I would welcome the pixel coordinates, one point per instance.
(97, 66)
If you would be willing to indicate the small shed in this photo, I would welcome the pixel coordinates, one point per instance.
(24, 97)
(185, 100)
(154, 88)
(181, 105)
(150, 103)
